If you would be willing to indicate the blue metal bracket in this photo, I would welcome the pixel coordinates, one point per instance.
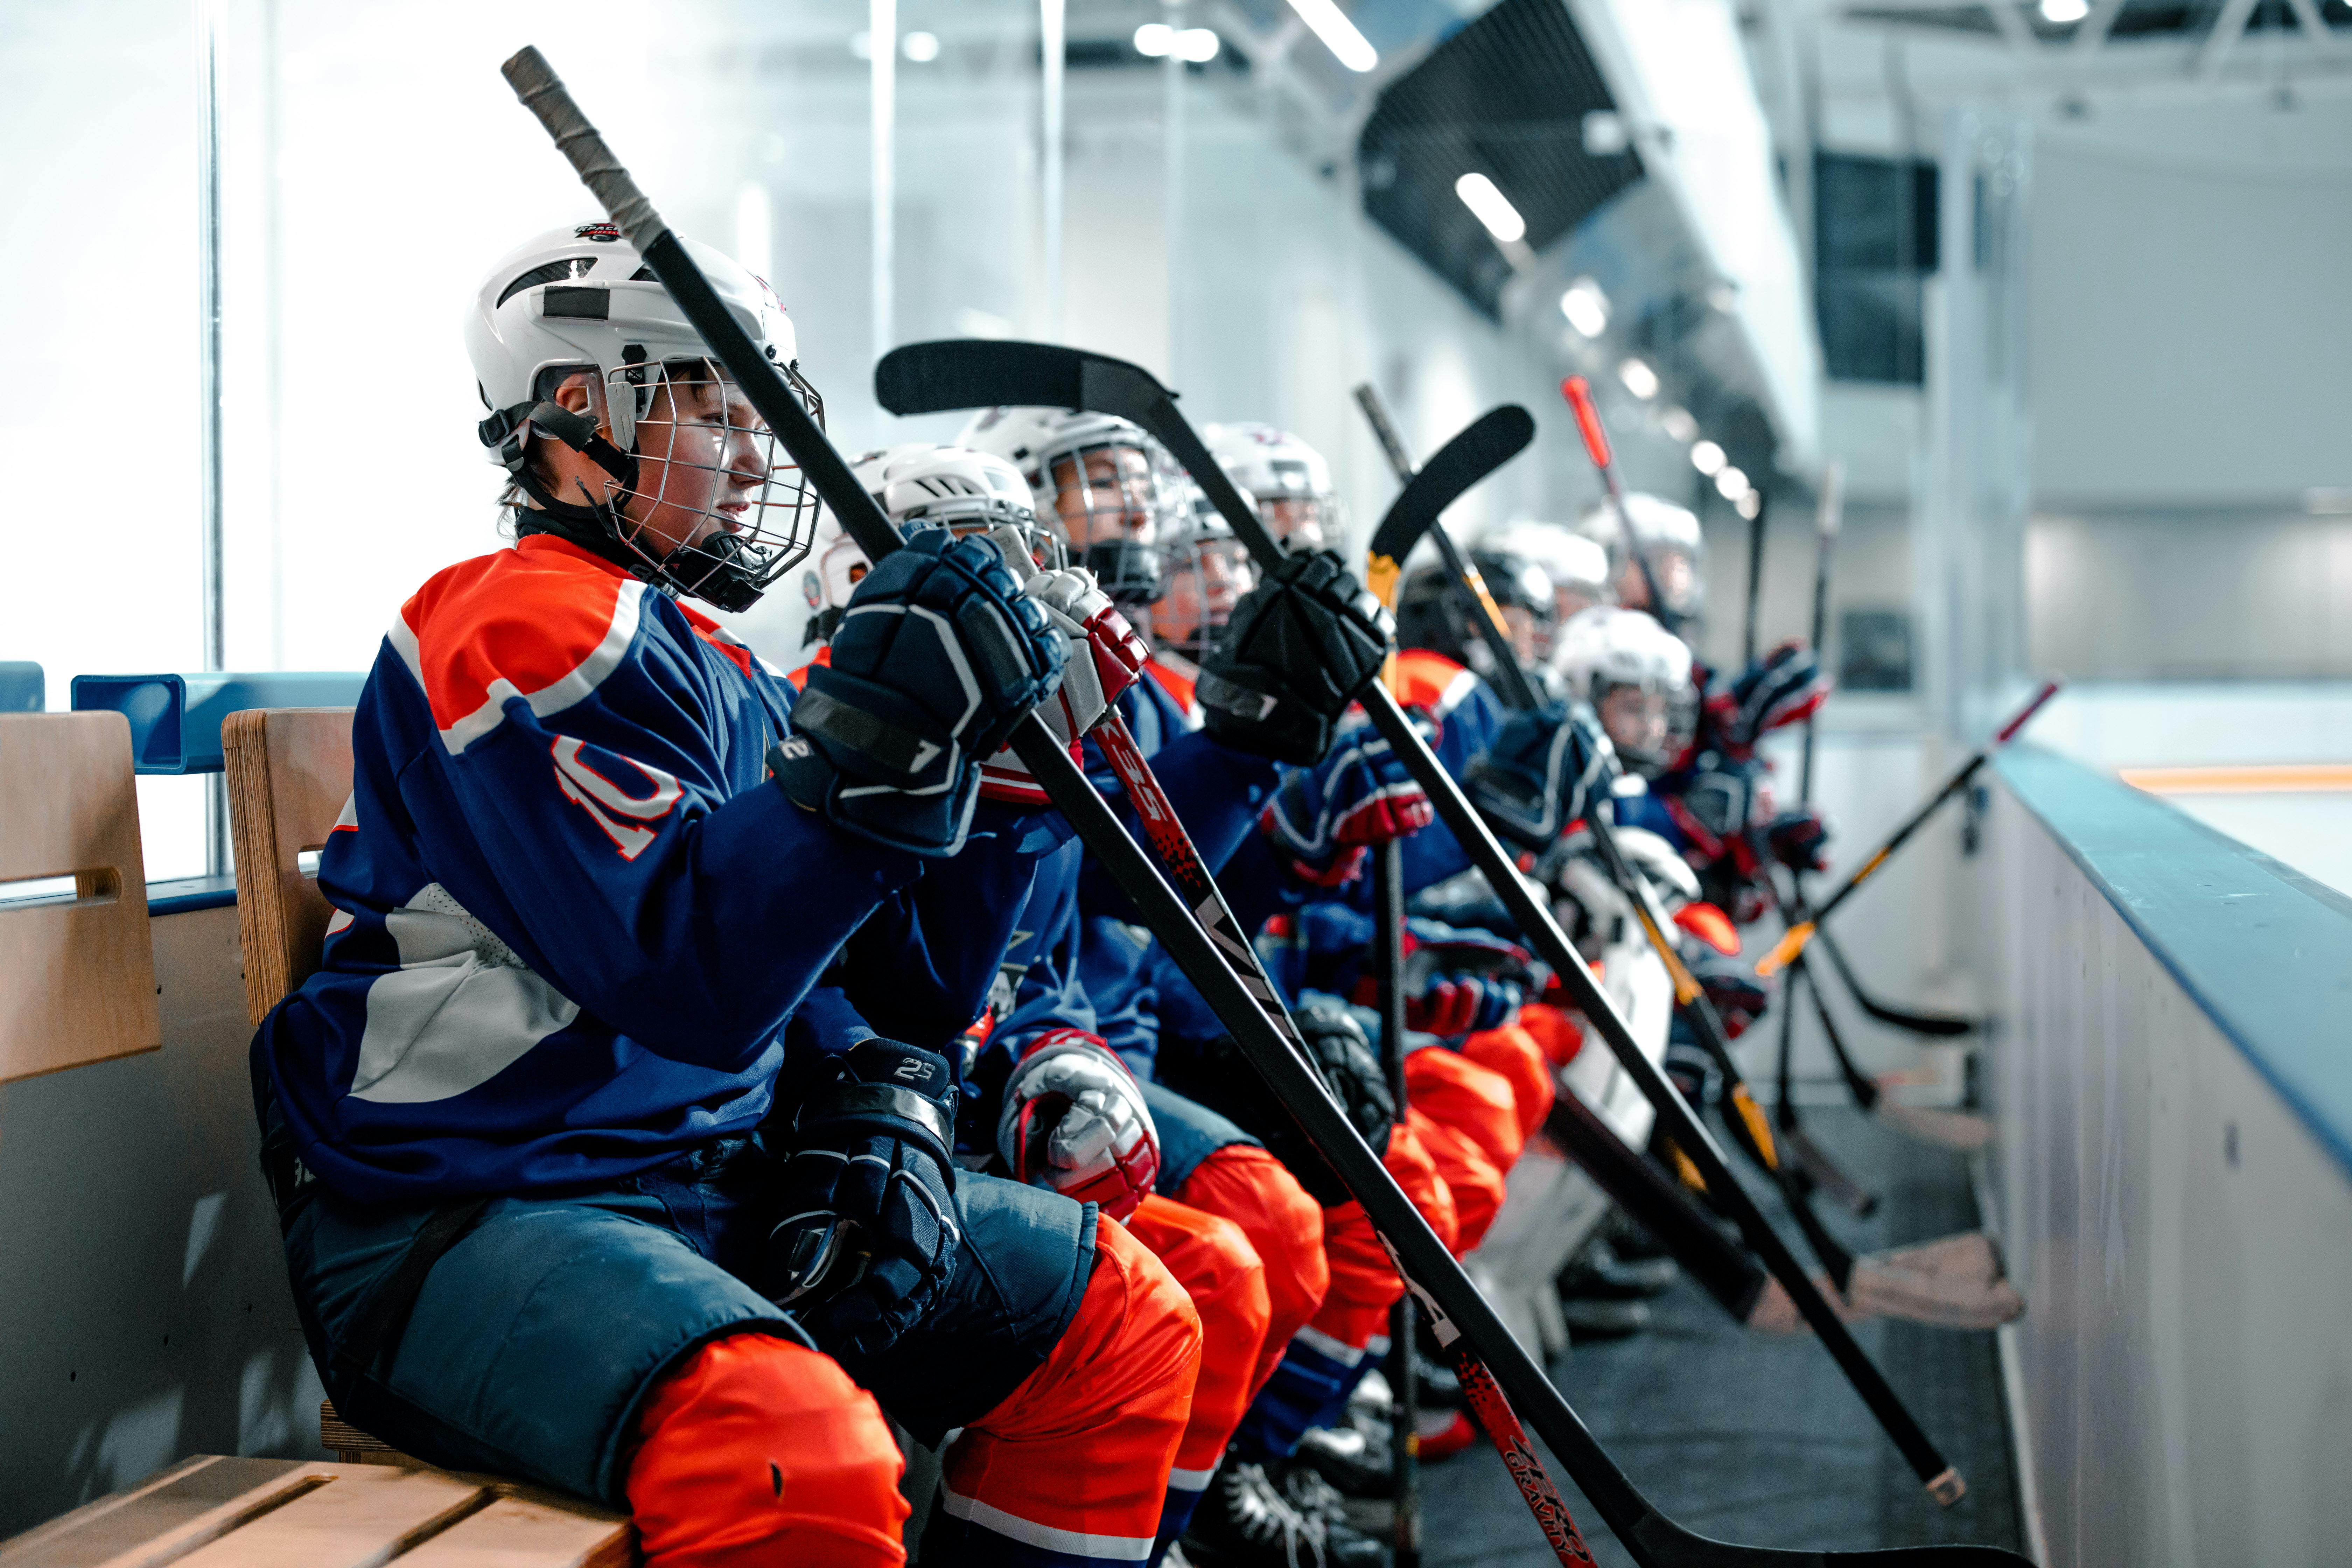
(175, 719)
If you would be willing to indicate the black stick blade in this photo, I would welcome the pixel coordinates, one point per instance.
(988, 372)
(1492, 439)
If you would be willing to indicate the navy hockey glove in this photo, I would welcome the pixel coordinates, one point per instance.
(938, 655)
(1325, 816)
(1783, 687)
(1533, 780)
(1800, 840)
(1297, 650)
(869, 1237)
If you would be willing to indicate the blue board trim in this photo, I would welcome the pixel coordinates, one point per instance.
(175, 719)
(2264, 950)
(187, 894)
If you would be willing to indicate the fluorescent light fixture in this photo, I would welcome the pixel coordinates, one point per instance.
(1491, 207)
(1606, 134)
(1586, 306)
(1679, 424)
(1330, 24)
(1749, 504)
(1707, 456)
(1731, 483)
(2061, 12)
(920, 47)
(1158, 40)
(1639, 378)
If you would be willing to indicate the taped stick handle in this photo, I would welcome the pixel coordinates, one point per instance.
(543, 93)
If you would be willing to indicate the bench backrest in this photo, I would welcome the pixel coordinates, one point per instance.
(76, 969)
(290, 772)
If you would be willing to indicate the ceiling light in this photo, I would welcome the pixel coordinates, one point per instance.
(1678, 425)
(1707, 456)
(1749, 504)
(1330, 24)
(920, 47)
(1158, 40)
(2062, 11)
(1586, 306)
(1731, 483)
(1639, 378)
(1606, 134)
(1491, 207)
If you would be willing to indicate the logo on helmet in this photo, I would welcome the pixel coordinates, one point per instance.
(602, 233)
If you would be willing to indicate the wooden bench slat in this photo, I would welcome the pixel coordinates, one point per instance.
(163, 1519)
(364, 1517)
(525, 1533)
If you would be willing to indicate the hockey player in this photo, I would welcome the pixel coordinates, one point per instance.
(1043, 1090)
(1289, 480)
(1660, 565)
(537, 1178)
(1098, 478)
(1576, 567)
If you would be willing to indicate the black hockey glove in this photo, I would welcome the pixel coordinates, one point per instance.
(868, 1235)
(1533, 780)
(1800, 839)
(937, 658)
(1738, 997)
(1298, 649)
(1219, 1077)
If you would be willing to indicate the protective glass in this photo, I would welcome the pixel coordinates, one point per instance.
(718, 509)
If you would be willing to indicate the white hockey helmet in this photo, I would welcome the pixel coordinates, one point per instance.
(1630, 668)
(1666, 546)
(581, 301)
(918, 483)
(1289, 480)
(1576, 563)
(1098, 478)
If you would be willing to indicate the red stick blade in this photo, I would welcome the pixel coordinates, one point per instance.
(1578, 392)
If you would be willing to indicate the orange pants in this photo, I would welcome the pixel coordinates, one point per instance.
(1247, 1185)
(1515, 1052)
(1467, 1117)
(1220, 1271)
(1075, 1461)
(1555, 1031)
(761, 1450)
(1364, 1282)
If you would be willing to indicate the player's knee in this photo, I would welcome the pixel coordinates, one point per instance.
(1474, 1100)
(756, 1449)
(1214, 1260)
(1254, 1189)
(1514, 1052)
(1157, 1326)
(1409, 1161)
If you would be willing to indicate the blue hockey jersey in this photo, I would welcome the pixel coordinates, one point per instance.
(571, 920)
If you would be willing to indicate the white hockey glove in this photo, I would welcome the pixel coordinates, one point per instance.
(1075, 1120)
(1104, 657)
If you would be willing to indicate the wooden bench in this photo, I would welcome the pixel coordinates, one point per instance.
(211, 1511)
(79, 965)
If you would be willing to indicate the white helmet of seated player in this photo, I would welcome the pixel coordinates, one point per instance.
(1576, 564)
(916, 482)
(1287, 478)
(573, 339)
(1630, 668)
(1204, 571)
(1666, 550)
(1095, 477)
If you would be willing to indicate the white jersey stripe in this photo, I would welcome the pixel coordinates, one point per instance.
(554, 697)
(1105, 1548)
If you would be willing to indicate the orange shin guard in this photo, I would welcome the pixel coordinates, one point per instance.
(1220, 1271)
(1515, 1052)
(1249, 1187)
(759, 1450)
(1364, 1282)
(1076, 1460)
(1470, 1176)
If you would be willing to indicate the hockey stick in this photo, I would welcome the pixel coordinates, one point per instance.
(1949, 1129)
(1755, 579)
(1746, 1120)
(1942, 1026)
(1801, 932)
(1430, 1271)
(942, 376)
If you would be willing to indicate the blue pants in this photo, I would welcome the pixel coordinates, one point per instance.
(1189, 1133)
(538, 1335)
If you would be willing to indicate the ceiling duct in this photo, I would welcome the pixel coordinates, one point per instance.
(1506, 97)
